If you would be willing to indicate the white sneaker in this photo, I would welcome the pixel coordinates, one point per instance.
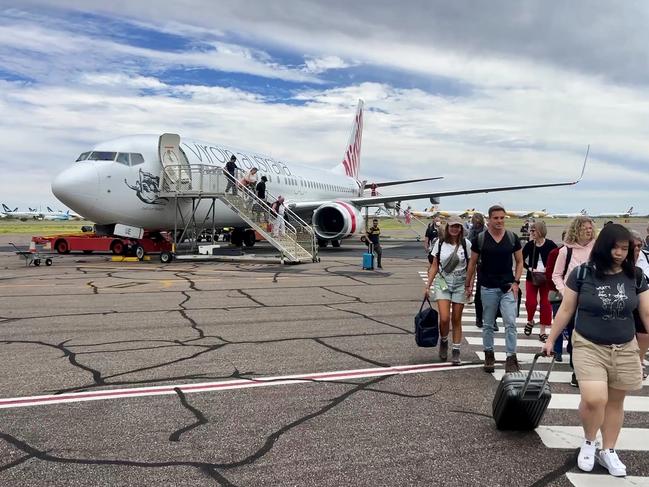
(586, 458)
(610, 461)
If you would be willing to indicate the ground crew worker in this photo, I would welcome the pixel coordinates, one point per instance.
(373, 234)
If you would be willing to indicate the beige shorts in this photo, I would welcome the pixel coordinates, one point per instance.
(617, 365)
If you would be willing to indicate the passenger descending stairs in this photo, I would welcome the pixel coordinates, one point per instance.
(632, 445)
(200, 181)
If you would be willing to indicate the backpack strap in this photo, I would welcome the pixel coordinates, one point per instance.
(568, 257)
(582, 272)
(639, 278)
(481, 240)
(646, 255)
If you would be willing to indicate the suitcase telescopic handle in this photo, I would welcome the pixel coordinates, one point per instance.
(529, 375)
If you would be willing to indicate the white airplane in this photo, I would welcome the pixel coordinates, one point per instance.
(51, 215)
(32, 214)
(444, 213)
(623, 214)
(583, 212)
(527, 213)
(118, 182)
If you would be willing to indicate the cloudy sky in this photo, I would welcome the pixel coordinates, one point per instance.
(483, 93)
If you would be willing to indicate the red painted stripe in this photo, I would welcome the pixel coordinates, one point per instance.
(352, 214)
(220, 385)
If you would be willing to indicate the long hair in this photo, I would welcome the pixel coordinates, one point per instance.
(478, 217)
(601, 256)
(446, 237)
(575, 226)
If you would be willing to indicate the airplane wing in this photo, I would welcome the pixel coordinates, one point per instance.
(402, 181)
(364, 201)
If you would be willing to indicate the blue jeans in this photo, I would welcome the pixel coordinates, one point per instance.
(492, 299)
(567, 331)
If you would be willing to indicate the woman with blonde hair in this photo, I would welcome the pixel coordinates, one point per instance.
(579, 241)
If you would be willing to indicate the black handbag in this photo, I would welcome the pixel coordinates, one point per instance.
(426, 325)
(538, 278)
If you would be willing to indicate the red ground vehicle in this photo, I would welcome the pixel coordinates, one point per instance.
(150, 243)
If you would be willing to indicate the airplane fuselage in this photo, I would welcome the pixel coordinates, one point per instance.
(109, 191)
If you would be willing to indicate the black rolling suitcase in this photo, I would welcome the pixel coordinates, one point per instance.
(521, 399)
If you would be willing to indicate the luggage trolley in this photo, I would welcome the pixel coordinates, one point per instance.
(32, 257)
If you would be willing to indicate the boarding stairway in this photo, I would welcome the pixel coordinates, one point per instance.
(200, 181)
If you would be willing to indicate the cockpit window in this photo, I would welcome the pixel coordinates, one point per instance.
(102, 156)
(83, 156)
(122, 158)
(136, 159)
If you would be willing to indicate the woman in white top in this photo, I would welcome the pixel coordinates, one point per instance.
(448, 271)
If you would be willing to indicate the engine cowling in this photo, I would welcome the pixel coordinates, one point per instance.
(336, 220)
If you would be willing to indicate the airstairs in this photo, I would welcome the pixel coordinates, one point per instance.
(198, 183)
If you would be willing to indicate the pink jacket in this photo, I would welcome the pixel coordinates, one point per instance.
(579, 256)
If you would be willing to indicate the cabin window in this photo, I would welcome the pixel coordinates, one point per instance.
(83, 156)
(136, 159)
(102, 156)
(122, 158)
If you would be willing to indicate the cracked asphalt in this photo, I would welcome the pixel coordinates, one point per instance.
(88, 324)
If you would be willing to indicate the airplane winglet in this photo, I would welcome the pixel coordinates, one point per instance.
(583, 168)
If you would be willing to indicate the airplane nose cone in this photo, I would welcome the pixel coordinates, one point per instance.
(77, 187)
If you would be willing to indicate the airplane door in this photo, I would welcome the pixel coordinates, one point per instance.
(301, 188)
(174, 161)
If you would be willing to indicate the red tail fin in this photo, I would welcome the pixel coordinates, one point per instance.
(352, 159)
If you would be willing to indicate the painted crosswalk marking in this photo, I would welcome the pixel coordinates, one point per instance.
(500, 342)
(594, 480)
(522, 357)
(571, 401)
(571, 437)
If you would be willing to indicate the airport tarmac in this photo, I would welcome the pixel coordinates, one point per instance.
(247, 374)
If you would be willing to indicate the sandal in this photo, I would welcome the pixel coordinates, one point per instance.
(528, 328)
(543, 337)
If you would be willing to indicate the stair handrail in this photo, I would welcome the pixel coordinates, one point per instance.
(204, 171)
(303, 224)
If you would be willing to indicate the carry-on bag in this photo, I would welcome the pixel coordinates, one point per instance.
(521, 399)
(368, 259)
(426, 325)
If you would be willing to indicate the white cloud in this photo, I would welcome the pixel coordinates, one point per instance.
(322, 64)
(514, 118)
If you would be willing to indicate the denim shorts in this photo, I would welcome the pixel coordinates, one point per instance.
(455, 292)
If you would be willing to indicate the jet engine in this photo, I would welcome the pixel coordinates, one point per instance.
(336, 220)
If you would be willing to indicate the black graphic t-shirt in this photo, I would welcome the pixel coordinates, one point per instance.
(605, 309)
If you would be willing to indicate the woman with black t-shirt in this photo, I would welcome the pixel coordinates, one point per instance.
(604, 292)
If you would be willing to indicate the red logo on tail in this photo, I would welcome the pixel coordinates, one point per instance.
(352, 159)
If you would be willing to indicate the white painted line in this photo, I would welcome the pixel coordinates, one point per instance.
(96, 395)
(522, 357)
(571, 401)
(571, 437)
(471, 314)
(556, 376)
(595, 480)
(520, 342)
